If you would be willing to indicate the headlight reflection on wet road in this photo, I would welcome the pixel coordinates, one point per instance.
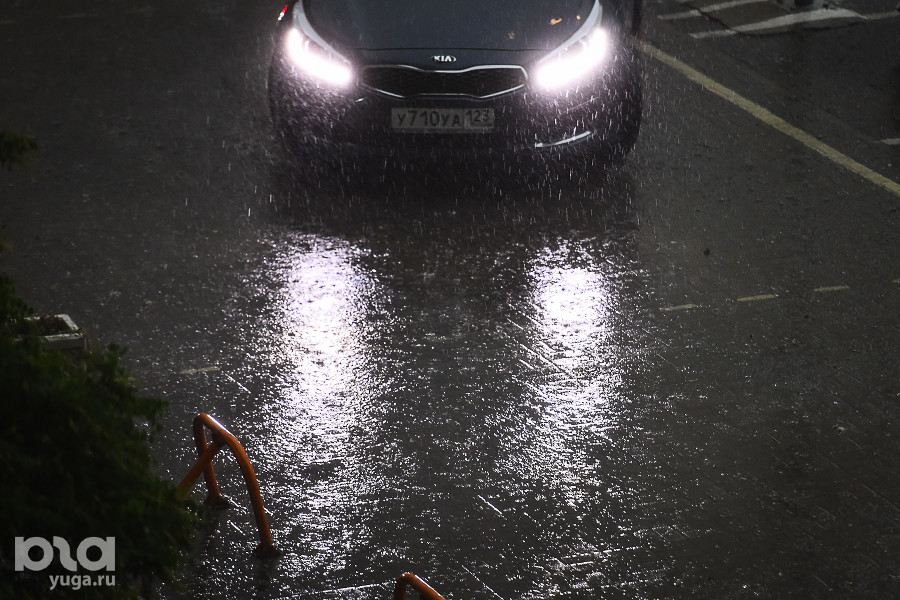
(325, 386)
(323, 311)
(433, 406)
(572, 306)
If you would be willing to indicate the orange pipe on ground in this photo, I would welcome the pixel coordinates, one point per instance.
(425, 590)
(222, 437)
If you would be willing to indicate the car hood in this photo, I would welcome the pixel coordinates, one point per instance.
(443, 25)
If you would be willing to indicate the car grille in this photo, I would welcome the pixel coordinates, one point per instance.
(477, 82)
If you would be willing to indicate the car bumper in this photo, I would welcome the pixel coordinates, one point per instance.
(525, 121)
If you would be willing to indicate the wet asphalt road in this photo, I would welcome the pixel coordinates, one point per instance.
(677, 378)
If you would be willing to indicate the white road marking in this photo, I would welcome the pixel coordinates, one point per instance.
(802, 18)
(730, 4)
(891, 141)
(713, 34)
(688, 14)
(831, 288)
(771, 119)
(885, 15)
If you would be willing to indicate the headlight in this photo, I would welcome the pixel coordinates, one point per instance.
(313, 55)
(317, 62)
(573, 63)
(580, 56)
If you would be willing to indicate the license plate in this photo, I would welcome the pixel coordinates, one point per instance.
(442, 120)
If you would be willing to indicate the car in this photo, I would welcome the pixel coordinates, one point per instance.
(414, 78)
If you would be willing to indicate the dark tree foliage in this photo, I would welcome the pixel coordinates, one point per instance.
(75, 463)
(14, 148)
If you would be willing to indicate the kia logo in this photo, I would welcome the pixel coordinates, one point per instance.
(443, 58)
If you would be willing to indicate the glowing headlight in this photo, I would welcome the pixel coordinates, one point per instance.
(320, 64)
(572, 63)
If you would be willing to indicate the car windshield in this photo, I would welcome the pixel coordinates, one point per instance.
(501, 25)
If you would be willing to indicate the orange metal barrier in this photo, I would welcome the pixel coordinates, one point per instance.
(222, 437)
(425, 590)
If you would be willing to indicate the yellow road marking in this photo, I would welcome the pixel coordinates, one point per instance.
(680, 307)
(771, 119)
(832, 288)
(757, 298)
